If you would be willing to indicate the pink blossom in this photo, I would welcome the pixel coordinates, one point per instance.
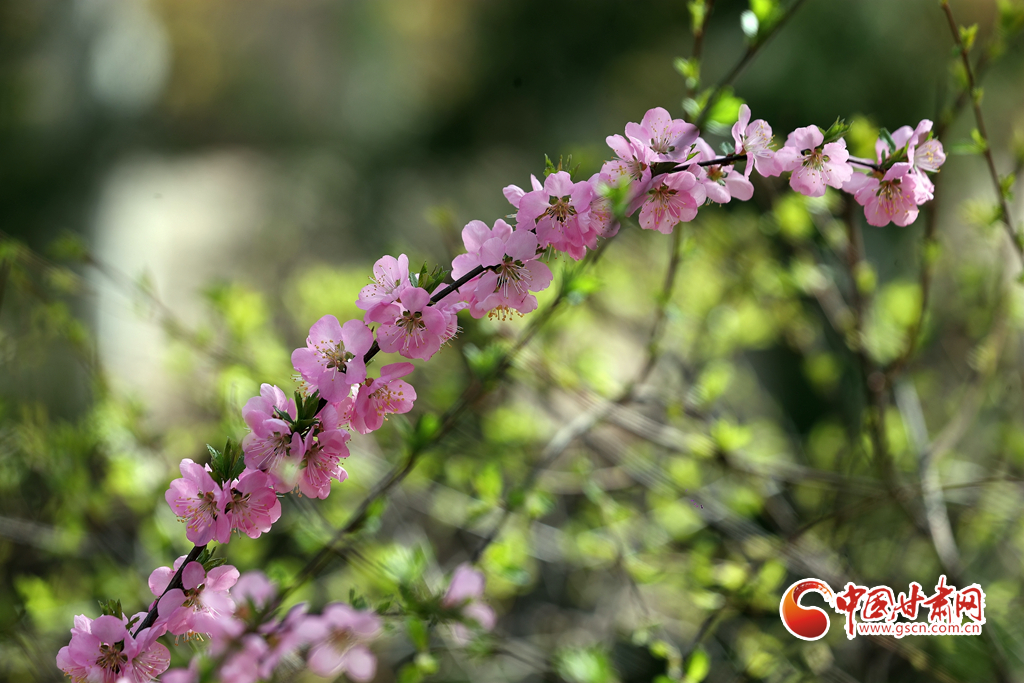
(189, 675)
(383, 396)
(465, 593)
(669, 139)
(721, 182)
(320, 464)
(253, 587)
(339, 638)
(389, 276)
(673, 198)
(251, 503)
(103, 651)
(198, 501)
(449, 309)
(893, 198)
(514, 193)
(411, 326)
(814, 168)
(633, 166)
(755, 140)
(202, 598)
(333, 358)
(602, 214)
(244, 665)
(284, 637)
(560, 214)
(516, 271)
(271, 445)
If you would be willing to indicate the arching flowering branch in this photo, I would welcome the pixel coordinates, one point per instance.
(664, 173)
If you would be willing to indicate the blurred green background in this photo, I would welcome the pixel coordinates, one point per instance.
(187, 185)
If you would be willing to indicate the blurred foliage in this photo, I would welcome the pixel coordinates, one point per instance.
(656, 543)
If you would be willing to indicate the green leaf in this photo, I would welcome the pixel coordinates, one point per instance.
(979, 140)
(410, 673)
(485, 361)
(889, 142)
(1006, 186)
(111, 608)
(688, 69)
(418, 634)
(698, 667)
(549, 167)
(578, 286)
(835, 132)
(967, 36)
(425, 431)
(768, 13)
(426, 663)
(698, 13)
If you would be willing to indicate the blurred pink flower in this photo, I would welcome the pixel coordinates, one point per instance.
(466, 592)
(339, 638)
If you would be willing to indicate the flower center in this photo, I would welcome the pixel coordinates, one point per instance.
(192, 596)
(112, 658)
(663, 194)
(715, 174)
(341, 640)
(512, 275)
(337, 357)
(560, 209)
(816, 160)
(411, 322)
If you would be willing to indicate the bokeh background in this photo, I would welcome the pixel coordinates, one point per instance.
(187, 185)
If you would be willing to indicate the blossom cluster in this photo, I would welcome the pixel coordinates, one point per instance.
(245, 646)
(663, 170)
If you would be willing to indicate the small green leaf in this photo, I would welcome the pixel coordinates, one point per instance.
(418, 634)
(549, 167)
(979, 140)
(111, 608)
(887, 137)
(688, 69)
(426, 663)
(1006, 186)
(836, 131)
(410, 673)
(698, 13)
(698, 667)
(967, 36)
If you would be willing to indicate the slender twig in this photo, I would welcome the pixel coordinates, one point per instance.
(175, 582)
(446, 423)
(752, 50)
(975, 95)
(586, 421)
(698, 44)
(865, 163)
